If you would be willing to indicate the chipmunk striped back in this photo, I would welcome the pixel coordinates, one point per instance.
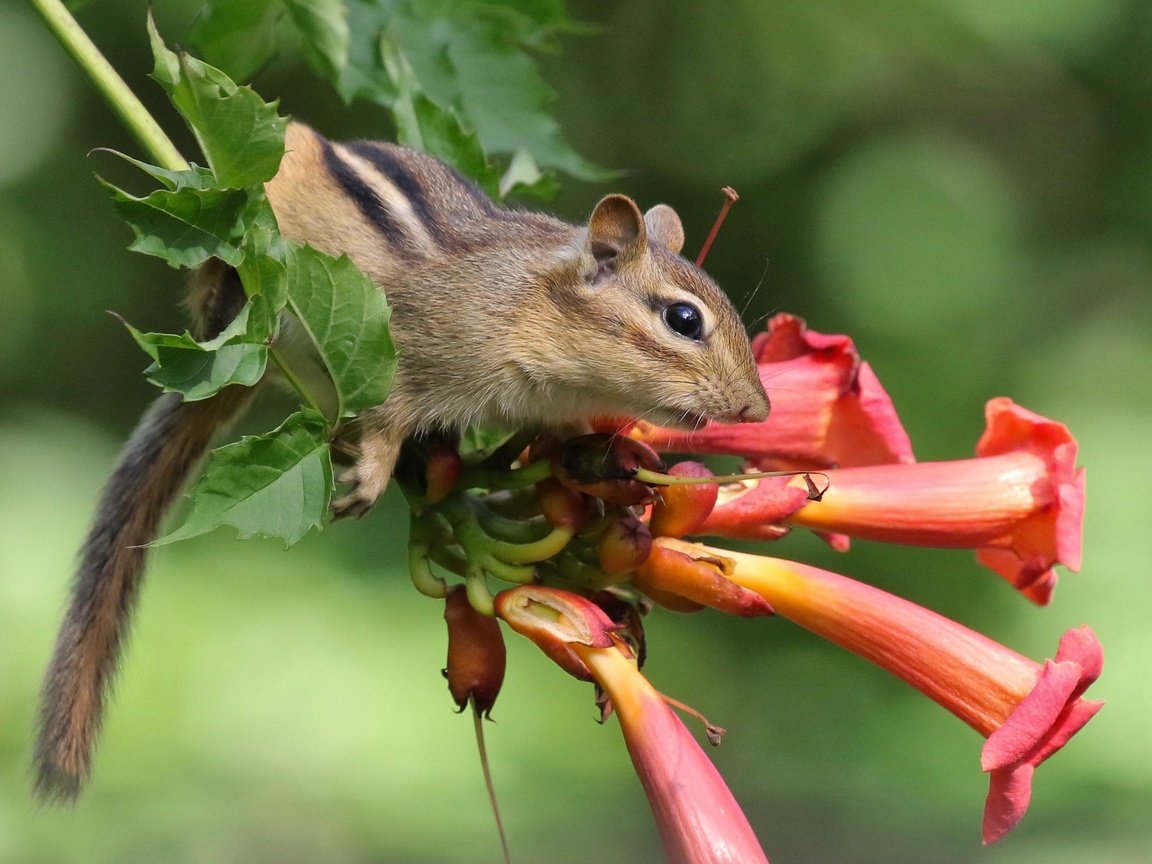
(385, 205)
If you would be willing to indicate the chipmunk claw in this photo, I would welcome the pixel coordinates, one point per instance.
(368, 478)
(361, 498)
(351, 506)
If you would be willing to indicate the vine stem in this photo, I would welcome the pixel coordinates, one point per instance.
(296, 383)
(119, 96)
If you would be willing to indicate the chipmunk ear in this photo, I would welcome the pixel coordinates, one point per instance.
(664, 227)
(616, 235)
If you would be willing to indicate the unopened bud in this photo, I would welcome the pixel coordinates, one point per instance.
(624, 545)
(476, 654)
(562, 507)
(441, 473)
(680, 510)
(689, 571)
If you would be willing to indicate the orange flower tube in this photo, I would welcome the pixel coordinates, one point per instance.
(1026, 710)
(1020, 502)
(698, 819)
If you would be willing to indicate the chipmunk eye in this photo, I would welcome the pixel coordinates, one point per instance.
(685, 320)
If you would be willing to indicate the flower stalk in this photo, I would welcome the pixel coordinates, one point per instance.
(119, 96)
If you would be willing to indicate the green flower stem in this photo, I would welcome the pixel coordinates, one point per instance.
(122, 100)
(584, 574)
(461, 514)
(295, 382)
(529, 553)
(511, 530)
(521, 574)
(515, 478)
(479, 596)
(419, 566)
(451, 561)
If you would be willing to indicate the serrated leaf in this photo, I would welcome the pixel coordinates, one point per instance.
(198, 370)
(423, 125)
(261, 232)
(238, 36)
(323, 28)
(194, 177)
(503, 94)
(346, 319)
(184, 226)
(242, 136)
(183, 367)
(274, 485)
(264, 279)
(468, 59)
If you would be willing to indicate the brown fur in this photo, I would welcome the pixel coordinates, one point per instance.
(499, 317)
(509, 317)
(167, 443)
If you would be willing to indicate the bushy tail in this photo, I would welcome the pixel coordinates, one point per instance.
(164, 448)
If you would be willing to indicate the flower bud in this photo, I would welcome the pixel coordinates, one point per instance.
(624, 545)
(562, 507)
(441, 473)
(476, 654)
(680, 510)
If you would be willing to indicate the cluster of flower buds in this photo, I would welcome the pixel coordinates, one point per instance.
(593, 531)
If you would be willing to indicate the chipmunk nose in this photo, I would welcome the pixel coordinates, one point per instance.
(753, 413)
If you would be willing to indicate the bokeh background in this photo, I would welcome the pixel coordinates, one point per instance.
(965, 186)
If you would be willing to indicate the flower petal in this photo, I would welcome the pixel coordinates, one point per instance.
(698, 818)
(828, 408)
(1009, 793)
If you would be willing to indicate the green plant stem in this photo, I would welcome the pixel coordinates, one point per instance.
(122, 100)
(295, 382)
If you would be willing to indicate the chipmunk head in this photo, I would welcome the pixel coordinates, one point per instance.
(650, 333)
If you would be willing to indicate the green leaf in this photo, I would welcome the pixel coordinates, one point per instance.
(480, 442)
(239, 36)
(194, 177)
(346, 319)
(184, 226)
(475, 61)
(274, 485)
(363, 76)
(241, 135)
(183, 366)
(467, 59)
(524, 177)
(198, 370)
(323, 28)
(423, 125)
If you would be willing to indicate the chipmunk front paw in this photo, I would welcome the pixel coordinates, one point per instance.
(362, 497)
(368, 477)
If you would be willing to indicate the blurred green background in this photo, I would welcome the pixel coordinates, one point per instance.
(964, 186)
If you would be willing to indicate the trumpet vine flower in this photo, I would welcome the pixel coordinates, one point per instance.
(594, 533)
(1026, 710)
(696, 814)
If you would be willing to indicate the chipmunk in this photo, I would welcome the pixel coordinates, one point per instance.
(499, 316)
